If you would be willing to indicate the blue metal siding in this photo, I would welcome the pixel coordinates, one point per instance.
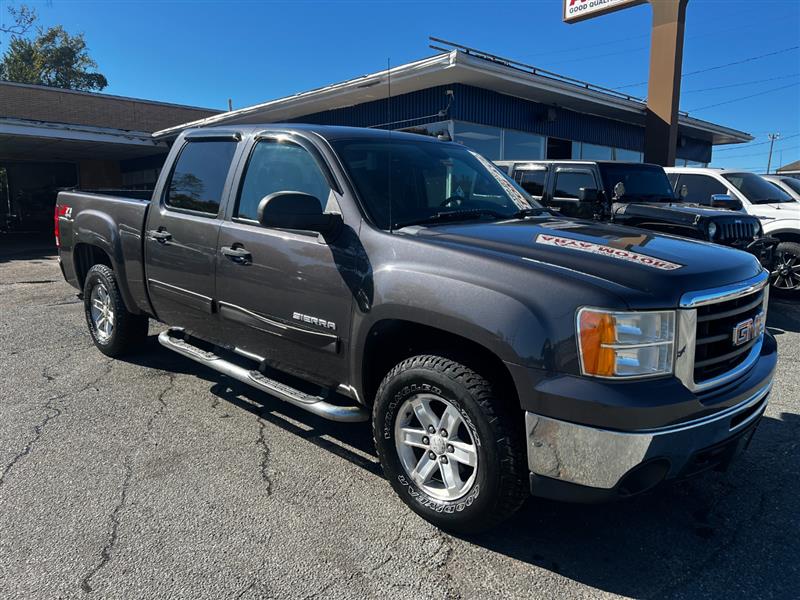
(487, 107)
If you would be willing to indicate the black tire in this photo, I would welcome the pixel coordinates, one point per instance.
(500, 483)
(129, 331)
(787, 259)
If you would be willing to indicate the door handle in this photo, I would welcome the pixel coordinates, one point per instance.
(237, 254)
(160, 236)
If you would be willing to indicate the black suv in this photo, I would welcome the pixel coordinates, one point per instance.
(639, 195)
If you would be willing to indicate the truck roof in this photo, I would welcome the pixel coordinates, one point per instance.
(538, 161)
(328, 132)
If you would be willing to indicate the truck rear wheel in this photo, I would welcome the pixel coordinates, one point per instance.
(786, 270)
(447, 446)
(114, 330)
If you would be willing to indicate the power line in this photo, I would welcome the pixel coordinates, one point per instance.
(727, 156)
(703, 34)
(783, 87)
(741, 83)
(715, 67)
(583, 59)
(751, 145)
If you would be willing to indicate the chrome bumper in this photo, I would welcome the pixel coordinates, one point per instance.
(600, 458)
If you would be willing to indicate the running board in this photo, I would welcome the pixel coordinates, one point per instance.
(317, 405)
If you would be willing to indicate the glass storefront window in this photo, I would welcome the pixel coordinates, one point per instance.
(627, 155)
(518, 145)
(594, 152)
(483, 140)
(584, 151)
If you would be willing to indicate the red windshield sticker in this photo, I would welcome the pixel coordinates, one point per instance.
(618, 253)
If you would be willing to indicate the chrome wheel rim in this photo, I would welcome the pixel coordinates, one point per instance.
(786, 272)
(436, 448)
(102, 312)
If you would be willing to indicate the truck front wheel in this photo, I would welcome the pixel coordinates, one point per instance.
(786, 270)
(114, 330)
(449, 448)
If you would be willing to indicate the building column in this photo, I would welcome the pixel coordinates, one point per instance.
(664, 86)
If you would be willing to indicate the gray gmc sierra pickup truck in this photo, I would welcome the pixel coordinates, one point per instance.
(498, 348)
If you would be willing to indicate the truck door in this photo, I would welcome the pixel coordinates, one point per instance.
(283, 293)
(181, 235)
(565, 191)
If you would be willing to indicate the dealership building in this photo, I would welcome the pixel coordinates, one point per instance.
(53, 139)
(501, 108)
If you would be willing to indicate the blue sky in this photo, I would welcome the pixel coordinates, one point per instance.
(202, 53)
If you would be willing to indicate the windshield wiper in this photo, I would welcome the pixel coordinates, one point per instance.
(453, 215)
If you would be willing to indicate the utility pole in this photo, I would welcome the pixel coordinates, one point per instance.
(772, 138)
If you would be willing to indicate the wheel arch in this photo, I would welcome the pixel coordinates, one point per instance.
(786, 235)
(392, 340)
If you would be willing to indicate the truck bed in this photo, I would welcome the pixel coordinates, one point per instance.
(115, 225)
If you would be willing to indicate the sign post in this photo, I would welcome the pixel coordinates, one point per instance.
(666, 58)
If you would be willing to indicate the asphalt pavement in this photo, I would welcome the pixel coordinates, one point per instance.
(155, 477)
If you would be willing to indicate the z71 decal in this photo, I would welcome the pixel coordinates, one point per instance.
(618, 253)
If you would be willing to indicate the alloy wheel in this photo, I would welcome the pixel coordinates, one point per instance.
(786, 272)
(101, 309)
(435, 446)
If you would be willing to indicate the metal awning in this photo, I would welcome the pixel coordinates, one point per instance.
(37, 140)
(460, 67)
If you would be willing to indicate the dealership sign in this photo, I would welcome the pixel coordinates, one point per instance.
(577, 10)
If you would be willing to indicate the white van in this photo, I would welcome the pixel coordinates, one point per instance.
(778, 212)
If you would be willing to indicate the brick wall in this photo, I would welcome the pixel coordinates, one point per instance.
(39, 103)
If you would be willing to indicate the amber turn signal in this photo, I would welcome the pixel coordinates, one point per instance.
(596, 330)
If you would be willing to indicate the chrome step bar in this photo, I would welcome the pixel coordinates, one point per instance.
(317, 405)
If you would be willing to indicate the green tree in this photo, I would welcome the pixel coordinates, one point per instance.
(21, 19)
(53, 58)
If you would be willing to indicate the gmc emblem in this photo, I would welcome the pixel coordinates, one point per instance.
(748, 330)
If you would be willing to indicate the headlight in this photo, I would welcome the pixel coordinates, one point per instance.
(626, 344)
(712, 230)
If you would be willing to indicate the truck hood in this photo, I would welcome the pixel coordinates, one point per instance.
(675, 212)
(660, 266)
(778, 210)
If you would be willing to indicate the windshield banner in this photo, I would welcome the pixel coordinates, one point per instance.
(618, 253)
(513, 193)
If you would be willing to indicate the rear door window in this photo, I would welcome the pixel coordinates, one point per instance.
(198, 178)
(569, 183)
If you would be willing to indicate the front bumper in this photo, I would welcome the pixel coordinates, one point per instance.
(579, 463)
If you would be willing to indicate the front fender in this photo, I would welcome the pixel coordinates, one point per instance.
(776, 227)
(504, 325)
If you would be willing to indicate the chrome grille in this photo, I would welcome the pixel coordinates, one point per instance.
(715, 351)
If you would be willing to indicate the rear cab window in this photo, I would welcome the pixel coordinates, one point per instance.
(197, 181)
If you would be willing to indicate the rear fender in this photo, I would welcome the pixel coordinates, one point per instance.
(95, 228)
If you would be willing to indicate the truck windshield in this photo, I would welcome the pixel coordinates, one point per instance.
(426, 180)
(642, 182)
(756, 189)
